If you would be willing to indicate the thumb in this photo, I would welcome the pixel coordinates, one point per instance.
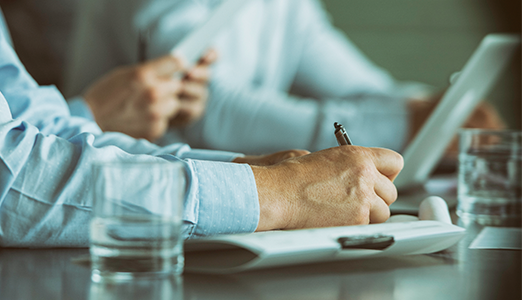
(165, 66)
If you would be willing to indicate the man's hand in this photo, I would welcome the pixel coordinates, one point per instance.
(137, 100)
(194, 93)
(142, 100)
(345, 185)
(270, 159)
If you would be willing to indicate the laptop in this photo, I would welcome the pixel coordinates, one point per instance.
(466, 91)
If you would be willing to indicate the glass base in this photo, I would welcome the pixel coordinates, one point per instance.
(123, 268)
(490, 220)
(107, 276)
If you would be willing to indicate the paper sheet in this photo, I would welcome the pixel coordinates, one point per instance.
(508, 238)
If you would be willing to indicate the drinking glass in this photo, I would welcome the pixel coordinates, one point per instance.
(135, 229)
(489, 185)
(162, 288)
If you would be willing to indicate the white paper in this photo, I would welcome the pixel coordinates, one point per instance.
(235, 253)
(508, 238)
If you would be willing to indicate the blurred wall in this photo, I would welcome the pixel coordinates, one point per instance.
(428, 40)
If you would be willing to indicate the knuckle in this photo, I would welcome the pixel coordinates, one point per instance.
(355, 150)
(362, 214)
(154, 117)
(364, 170)
(151, 95)
(139, 74)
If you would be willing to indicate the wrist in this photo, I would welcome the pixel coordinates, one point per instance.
(273, 191)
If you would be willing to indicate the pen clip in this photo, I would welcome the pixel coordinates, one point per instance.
(341, 135)
(370, 242)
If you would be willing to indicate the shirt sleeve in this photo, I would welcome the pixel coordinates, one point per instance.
(79, 108)
(264, 121)
(331, 66)
(340, 84)
(45, 170)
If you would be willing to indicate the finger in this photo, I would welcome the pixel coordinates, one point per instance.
(379, 211)
(210, 57)
(165, 66)
(200, 73)
(189, 111)
(160, 90)
(385, 189)
(191, 108)
(194, 91)
(167, 108)
(388, 162)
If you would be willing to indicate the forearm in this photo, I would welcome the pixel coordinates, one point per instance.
(260, 121)
(47, 190)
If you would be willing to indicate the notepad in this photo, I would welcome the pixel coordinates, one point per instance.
(241, 252)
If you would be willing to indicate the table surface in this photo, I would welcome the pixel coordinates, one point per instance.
(456, 273)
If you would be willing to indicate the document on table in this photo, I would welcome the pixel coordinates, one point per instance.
(508, 238)
(240, 252)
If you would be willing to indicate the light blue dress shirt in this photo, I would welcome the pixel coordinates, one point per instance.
(272, 51)
(45, 169)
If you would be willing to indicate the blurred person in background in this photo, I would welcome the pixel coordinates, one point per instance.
(46, 159)
(132, 99)
(283, 77)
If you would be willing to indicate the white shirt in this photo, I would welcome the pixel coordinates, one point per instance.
(273, 47)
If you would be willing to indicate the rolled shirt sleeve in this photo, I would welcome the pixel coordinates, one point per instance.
(222, 205)
(78, 107)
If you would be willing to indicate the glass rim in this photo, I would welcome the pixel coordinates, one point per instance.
(477, 131)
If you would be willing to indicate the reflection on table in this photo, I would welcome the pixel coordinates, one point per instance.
(457, 273)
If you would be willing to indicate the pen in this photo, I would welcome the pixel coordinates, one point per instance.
(341, 135)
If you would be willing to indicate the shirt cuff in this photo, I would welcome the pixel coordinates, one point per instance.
(212, 155)
(79, 108)
(228, 200)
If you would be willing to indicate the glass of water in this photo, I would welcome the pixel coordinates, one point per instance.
(135, 229)
(489, 188)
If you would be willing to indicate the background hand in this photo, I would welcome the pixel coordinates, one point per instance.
(194, 92)
(137, 100)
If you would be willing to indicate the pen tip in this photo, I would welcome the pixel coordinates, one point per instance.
(337, 125)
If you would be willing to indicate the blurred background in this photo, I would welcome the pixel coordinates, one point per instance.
(428, 40)
(420, 40)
